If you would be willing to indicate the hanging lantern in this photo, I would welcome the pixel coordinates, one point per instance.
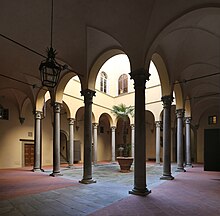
(50, 69)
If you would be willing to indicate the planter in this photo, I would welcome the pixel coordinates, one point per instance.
(125, 163)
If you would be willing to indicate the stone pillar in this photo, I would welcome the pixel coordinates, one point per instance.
(132, 140)
(188, 142)
(167, 100)
(113, 143)
(179, 115)
(95, 147)
(87, 166)
(37, 141)
(56, 140)
(158, 124)
(71, 142)
(140, 186)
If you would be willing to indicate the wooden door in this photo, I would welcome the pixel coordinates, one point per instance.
(212, 150)
(28, 154)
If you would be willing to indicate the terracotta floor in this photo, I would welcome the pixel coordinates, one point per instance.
(193, 193)
(17, 182)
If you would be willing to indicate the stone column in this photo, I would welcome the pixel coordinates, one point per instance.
(158, 124)
(95, 147)
(140, 186)
(167, 100)
(188, 142)
(37, 141)
(132, 140)
(179, 115)
(113, 143)
(87, 166)
(71, 142)
(56, 140)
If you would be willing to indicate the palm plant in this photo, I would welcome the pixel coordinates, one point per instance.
(121, 111)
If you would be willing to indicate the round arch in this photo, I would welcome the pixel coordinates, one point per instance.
(40, 99)
(178, 96)
(187, 107)
(108, 117)
(98, 64)
(61, 86)
(163, 74)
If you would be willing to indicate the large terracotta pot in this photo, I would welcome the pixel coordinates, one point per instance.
(125, 163)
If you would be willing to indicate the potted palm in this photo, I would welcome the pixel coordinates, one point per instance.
(125, 160)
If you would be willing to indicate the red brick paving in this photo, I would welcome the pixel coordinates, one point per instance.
(18, 182)
(194, 193)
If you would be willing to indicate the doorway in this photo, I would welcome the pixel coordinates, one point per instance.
(212, 149)
(28, 154)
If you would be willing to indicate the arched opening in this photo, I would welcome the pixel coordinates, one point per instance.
(63, 148)
(104, 138)
(123, 137)
(150, 136)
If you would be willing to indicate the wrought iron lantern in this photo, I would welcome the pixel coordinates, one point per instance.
(50, 69)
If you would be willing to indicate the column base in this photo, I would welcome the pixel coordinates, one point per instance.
(87, 181)
(37, 170)
(70, 166)
(180, 169)
(138, 192)
(166, 177)
(55, 174)
(189, 165)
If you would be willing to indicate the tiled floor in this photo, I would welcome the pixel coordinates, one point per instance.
(23, 192)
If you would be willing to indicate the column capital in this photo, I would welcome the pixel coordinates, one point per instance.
(187, 120)
(88, 95)
(113, 128)
(95, 125)
(132, 126)
(180, 113)
(167, 100)
(38, 114)
(71, 121)
(140, 76)
(158, 123)
(57, 107)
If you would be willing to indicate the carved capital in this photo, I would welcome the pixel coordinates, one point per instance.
(167, 101)
(113, 128)
(188, 120)
(57, 107)
(71, 121)
(132, 127)
(38, 115)
(180, 113)
(88, 95)
(158, 123)
(95, 125)
(140, 76)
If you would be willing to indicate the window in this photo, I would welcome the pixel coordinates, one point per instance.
(103, 82)
(123, 84)
(212, 120)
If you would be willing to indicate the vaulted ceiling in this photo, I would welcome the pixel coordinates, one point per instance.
(185, 33)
